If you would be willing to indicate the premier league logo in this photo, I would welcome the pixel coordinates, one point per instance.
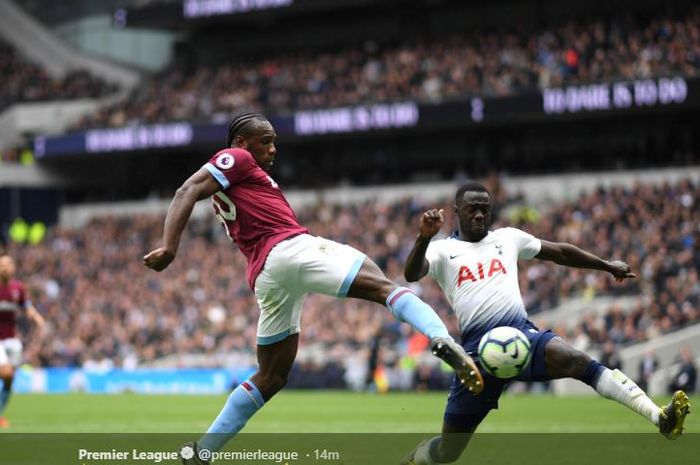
(225, 161)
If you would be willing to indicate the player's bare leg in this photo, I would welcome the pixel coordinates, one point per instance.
(274, 363)
(371, 284)
(563, 361)
(446, 448)
(7, 374)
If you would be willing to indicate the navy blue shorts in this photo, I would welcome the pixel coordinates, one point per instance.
(465, 410)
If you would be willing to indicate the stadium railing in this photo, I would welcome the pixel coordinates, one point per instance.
(571, 311)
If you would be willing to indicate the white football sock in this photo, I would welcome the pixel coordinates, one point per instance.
(422, 455)
(615, 385)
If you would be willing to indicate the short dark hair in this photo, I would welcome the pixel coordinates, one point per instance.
(471, 186)
(240, 125)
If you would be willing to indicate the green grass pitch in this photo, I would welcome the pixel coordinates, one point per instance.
(320, 412)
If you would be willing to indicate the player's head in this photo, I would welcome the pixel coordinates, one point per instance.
(7, 267)
(254, 133)
(473, 208)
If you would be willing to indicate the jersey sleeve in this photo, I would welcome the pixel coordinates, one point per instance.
(434, 255)
(230, 167)
(528, 246)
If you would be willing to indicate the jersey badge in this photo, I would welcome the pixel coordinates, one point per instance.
(225, 161)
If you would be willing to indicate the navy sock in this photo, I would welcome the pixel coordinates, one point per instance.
(592, 373)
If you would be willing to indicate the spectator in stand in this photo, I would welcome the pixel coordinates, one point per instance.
(9, 156)
(26, 82)
(610, 358)
(373, 359)
(480, 63)
(105, 310)
(647, 366)
(687, 375)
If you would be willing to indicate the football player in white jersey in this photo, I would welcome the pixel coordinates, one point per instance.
(477, 270)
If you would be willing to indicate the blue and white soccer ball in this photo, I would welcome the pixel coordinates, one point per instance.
(504, 352)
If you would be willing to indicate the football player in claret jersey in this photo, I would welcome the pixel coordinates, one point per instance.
(13, 299)
(284, 264)
(477, 270)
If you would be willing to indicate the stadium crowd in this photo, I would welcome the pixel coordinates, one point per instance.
(479, 63)
(104, 308)
(23, 81)
(653, 228)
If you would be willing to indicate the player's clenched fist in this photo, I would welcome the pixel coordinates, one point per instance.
(159, 259)
(620, 270)
(431, 222)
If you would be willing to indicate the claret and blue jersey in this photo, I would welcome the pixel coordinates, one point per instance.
(251, 207)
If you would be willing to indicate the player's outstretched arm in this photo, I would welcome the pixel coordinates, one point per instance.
(34, 315)
(199, 186)
(565, 254)
(416, 265)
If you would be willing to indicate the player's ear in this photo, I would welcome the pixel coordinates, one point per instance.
(240, 142)
(455, 208)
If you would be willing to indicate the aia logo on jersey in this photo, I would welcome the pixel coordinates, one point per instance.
(482, 271)
(225, 161)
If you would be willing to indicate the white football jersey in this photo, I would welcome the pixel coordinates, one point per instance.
(480, 279)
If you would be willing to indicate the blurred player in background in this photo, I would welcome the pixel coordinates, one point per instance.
(477, 270)
(285, 263)
(13, 299)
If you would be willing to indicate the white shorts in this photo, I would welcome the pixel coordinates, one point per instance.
(294, 268)
(11, 352)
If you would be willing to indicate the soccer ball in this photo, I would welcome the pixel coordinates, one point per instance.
(504, 352)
